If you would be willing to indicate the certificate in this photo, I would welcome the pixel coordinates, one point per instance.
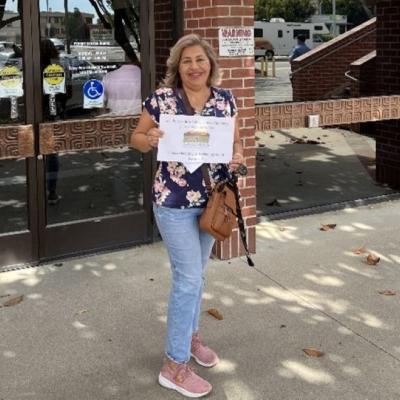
(194, 140)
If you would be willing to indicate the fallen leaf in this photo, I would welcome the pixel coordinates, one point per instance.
(5, 295)
(313, 352)
(14, 301)
(282, 228)
(360, 250)
(261, 145)
(257, 138)
(327, 227)
(81, 312)
(371, 259)
(388, 292)
(215, 313)
(274, 202)
(272, 136)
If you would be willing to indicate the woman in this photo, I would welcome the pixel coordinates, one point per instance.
(179, 198)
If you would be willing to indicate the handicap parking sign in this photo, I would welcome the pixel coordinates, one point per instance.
(93, 94)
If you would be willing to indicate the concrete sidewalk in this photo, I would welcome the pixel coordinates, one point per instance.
(93, 328)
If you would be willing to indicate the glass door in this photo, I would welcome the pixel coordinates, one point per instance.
(72, 74)
(18, 219)
(93, 189)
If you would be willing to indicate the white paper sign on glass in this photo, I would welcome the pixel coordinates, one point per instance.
(193, 140)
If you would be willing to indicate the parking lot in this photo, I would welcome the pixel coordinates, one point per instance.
(270, 89)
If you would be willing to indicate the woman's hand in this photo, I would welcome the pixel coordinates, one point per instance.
(153, 136)
(236, 161)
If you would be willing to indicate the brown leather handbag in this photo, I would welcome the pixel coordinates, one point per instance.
(219, 216)
(223, 209)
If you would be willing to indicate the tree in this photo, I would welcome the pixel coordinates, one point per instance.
(356, 10)
(3, 23)
(289, 10)
(77, 28)
(125, 21)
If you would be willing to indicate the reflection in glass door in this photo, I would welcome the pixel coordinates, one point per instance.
(91, 79)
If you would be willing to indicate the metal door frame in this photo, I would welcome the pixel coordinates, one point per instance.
(23, 246)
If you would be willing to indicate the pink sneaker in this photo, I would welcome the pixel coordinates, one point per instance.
(183, 379)
(203, 354)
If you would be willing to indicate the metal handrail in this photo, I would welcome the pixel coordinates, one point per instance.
(347, 75)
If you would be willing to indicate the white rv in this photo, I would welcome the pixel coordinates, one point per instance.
(282, 35)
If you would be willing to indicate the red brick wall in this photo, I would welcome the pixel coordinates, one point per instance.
(163, 35)
(364, 70)
(205, 17)
(320, 73)
(388, 82)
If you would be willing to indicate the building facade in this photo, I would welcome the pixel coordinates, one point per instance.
(70, 183)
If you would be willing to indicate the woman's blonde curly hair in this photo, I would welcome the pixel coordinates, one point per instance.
(172, 78)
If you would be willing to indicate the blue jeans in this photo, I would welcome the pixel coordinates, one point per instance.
(189, 249)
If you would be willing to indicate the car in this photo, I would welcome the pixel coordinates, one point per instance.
(58, 44)
(8, 58)
(6, 46)
(263, 48)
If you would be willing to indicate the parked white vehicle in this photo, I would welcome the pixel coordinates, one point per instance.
(282, 35)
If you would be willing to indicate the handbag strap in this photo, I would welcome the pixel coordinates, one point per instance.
(189, 110)
(240, 220)
(205, 168)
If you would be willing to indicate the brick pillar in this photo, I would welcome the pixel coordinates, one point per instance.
(387, 83)
(163, 35)
(204, 17)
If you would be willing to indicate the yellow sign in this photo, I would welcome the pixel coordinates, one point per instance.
(10, 77)
(54, 79)
(54, 74)
(10, 82)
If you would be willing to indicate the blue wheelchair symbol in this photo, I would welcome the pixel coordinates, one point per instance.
(93, 89)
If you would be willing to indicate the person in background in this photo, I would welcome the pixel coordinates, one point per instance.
(179, 197)
(300, 49)
(50, 55)
(122, 88)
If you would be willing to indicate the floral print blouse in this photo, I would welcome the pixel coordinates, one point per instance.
(174, 186)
